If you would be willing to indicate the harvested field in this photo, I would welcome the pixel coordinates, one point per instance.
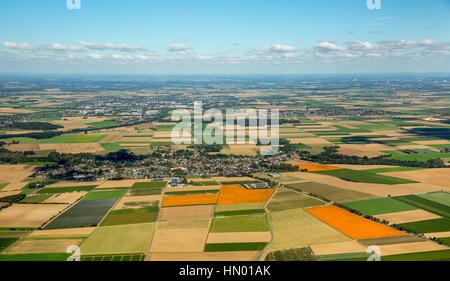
(308, 141)
(295, 228)
(363, 167)
(371, 190)
(192, 188)
(330, 192)
(73, 148)
(117, 184)
(180, 236)
(41, 246)
(68, 232)
(407, 248)
(408, 216)
(350, 224)
(239, 237)
(137, 202)
(391, 240)
(14, 173)
(86, 213)
(111, 139)
(285, 199)
(14, 186)
(23, 147)
(205, 256)
(241, 149)
(65, 198)
(179, 240)
(443, 234)
(190, 200)
(240, 207)
(224, 180)
(72, 184)
(236, 194)
(440, 177)
(186, 213)
(338, 248)
(369, 150)
(123, 239)
(29, 215)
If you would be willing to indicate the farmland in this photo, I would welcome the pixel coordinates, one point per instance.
(95, 166)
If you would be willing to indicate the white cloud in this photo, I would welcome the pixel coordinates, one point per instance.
(18, 46)
(328, 46)
(179, 48)
(109, 46)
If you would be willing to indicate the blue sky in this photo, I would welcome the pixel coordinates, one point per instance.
(224, 36)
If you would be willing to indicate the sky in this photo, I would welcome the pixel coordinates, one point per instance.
(224, 36)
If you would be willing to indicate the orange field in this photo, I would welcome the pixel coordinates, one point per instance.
(236, 194)
(317, 168)
(350, 224)
(189, 200)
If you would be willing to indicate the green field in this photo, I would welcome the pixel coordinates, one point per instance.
(231, 247)
(428, 226)
(443, 255)
(36, 199)
(239, 212)
(299, 254)
(438, 197)
(362, 176)
(345, 257)
(398, 155)
(330, 192)
(244, 223)
(131, 216)
(36, 257)
(211, 191)
(117, 240)
(53, 190)
(425, 204)
(394, 169)
(111, 147)
(205, 183)
(98, 195)
(379, 206)
(145, 191)
(6, 242)
(152, 184)
(286, 199)
(114, 258)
